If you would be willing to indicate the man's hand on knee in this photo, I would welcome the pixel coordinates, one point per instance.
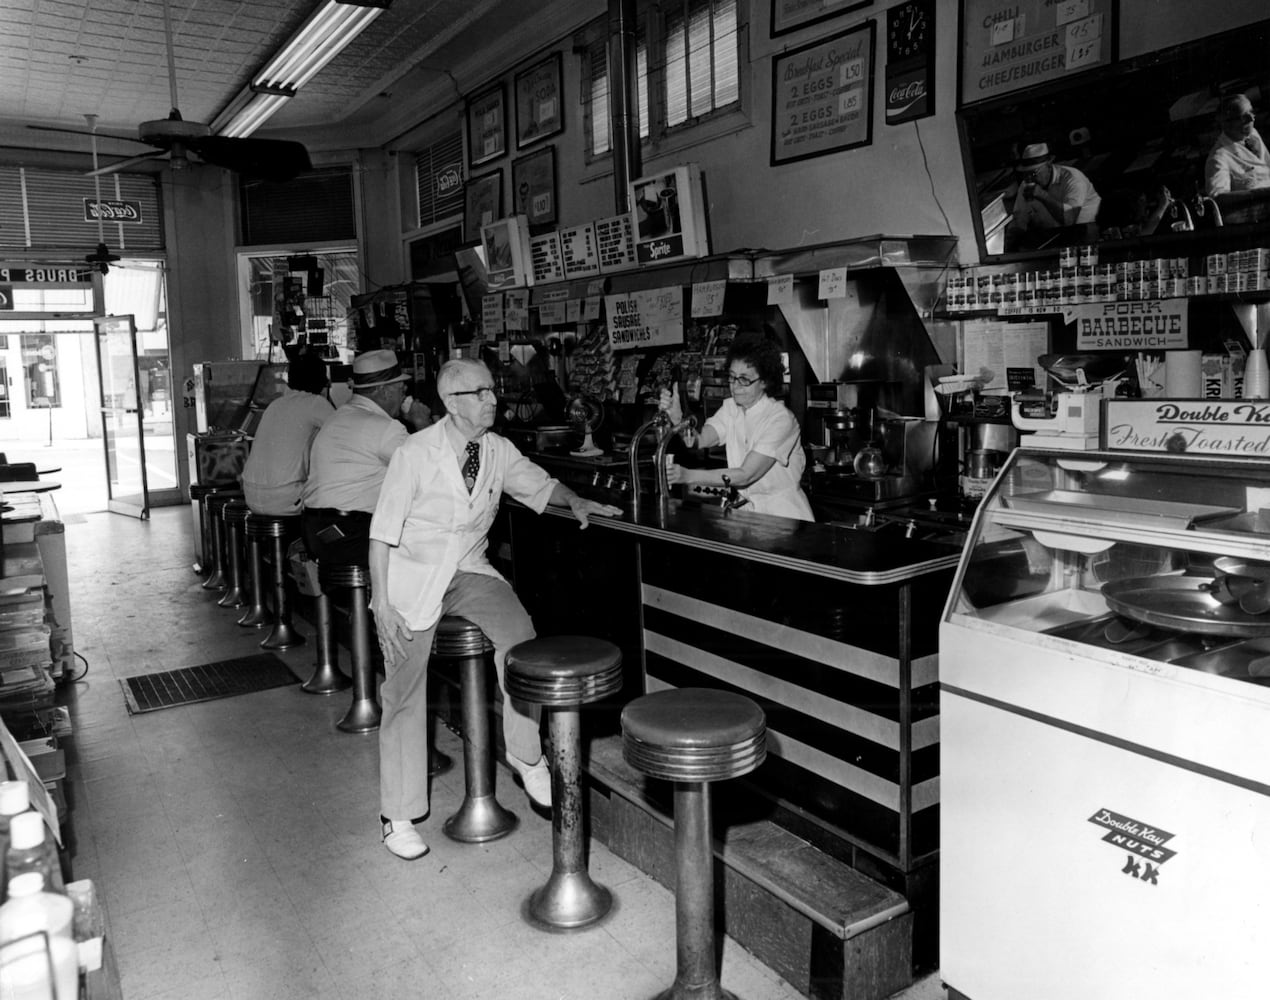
(393, 631)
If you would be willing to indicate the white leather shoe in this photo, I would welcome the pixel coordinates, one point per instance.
(536, 779)
(403, 839)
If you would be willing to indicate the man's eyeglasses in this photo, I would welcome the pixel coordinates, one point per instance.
(744, 381)
(1247, 118)
(483, 395)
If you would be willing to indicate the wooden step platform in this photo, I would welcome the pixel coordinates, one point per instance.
(828, 930)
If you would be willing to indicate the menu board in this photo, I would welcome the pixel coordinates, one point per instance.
(616, 239)
(580, 251)
(544, 251)
(1007, 45)
(822, 96)
(646, 318)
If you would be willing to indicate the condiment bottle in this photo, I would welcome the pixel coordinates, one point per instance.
(28, 850)
(14, 799)
(37, 949)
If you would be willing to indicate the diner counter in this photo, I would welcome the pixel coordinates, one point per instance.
(832, 629)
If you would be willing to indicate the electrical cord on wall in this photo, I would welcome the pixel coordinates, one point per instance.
(934, 193)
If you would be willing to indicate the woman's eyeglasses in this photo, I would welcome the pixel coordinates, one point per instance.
(744, 381)
(483, 395)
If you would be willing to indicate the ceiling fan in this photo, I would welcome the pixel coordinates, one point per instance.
(174, 137)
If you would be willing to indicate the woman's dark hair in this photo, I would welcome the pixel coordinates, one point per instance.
(764, 355)
(306, 372)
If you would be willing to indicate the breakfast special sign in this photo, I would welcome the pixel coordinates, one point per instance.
(1226, 428)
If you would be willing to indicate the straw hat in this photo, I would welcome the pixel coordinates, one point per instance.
(1034, 154)
(375, 368)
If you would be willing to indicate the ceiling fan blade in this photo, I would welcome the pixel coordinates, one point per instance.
(118, 165)
(268, 159)
(80, 131)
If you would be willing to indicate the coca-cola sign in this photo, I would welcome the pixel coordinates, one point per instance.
(112, 211)
(908, 95)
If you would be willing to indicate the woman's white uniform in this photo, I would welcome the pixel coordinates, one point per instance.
(769, 428)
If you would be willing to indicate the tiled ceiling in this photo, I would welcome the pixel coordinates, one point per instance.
(63, 59)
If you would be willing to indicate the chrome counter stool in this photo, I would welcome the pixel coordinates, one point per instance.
(480, 817)
(693, 736)
(364, 713)
(202, 542)
(234, 521)
(326, 677)
(562, 673)
(213, 504)
(276, 528)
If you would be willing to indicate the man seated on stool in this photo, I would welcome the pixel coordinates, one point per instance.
(427, 559)
(278, 464)
(350, 456)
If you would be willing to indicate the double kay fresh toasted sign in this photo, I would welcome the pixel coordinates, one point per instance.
(1227, 428)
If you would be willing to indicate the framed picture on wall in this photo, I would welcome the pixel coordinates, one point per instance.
(789, 15)
(822, 96)
(487, 126)
(482, 203)
(539, 107)
(534, 186)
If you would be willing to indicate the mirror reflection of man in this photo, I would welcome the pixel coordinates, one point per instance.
(1050, 196)
(1237, 172)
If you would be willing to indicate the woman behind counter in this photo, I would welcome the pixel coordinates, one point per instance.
(761, 437)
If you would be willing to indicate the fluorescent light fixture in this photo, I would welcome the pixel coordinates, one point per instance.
(253, 113)
(319, 39)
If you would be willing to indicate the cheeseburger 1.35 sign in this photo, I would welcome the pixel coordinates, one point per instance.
(1226, 428)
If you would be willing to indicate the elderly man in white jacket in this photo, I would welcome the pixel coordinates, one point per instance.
(428, 538)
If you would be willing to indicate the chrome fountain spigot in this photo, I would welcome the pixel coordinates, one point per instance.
(660, 420)
(732, 499)
(659, 455)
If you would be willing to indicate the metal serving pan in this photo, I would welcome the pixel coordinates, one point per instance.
(1184, 603)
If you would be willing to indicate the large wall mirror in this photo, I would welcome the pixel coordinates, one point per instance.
(1140, 130)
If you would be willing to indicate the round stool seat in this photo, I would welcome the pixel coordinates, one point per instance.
(199, 490)
(216, 501)
(343, 575)
(459, 637)
(235, 512)
(563, 670)
(694, 734)
(270, 525)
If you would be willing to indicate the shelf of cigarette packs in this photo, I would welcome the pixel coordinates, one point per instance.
(592, 368)
(1080, 279)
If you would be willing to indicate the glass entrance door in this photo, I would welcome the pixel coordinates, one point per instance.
(121, 416)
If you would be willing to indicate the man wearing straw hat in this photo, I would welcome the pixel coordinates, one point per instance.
(1051, 196)
(350, 456)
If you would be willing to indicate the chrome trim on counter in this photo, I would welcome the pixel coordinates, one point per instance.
(827, 570)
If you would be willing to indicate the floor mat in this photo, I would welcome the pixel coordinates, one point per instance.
(222, 679)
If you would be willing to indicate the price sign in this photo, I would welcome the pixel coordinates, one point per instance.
(573, 311)
(821, 96)
(780, 289)
(833, 283)
(707, 297)
(552, 313)
(492, 313)
(516, 309)
(591, 308)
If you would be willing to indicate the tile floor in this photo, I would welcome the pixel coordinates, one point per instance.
(235, 842)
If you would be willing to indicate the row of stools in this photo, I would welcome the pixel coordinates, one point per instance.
(691, 736)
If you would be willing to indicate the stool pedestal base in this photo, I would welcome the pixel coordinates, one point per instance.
(570, 899)
(326, 678)
(480, 817)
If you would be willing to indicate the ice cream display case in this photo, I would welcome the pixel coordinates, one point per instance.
(1105, 731)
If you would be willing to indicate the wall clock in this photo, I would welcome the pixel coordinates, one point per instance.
(910, 61)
